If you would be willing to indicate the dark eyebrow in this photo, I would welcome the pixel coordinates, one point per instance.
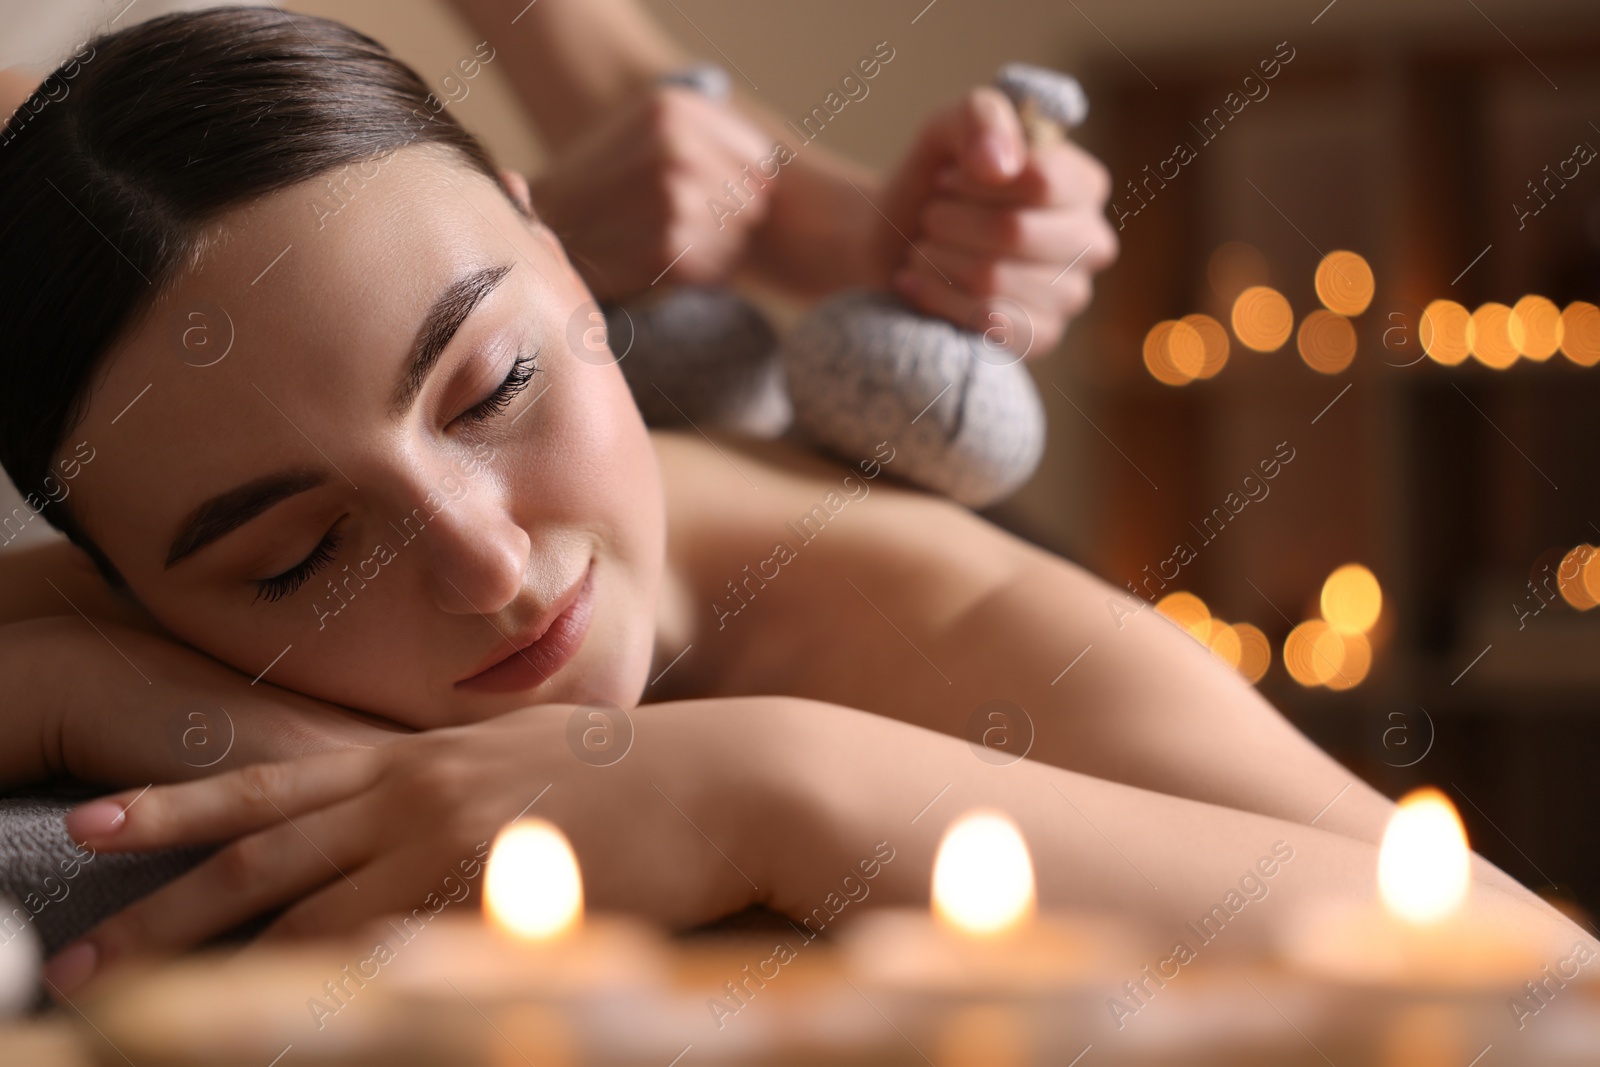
(226, 512)
(440, 324)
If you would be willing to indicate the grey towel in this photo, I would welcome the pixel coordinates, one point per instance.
(59, 889)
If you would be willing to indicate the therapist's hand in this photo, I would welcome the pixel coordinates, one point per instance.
(1007, 238)
(633, 196)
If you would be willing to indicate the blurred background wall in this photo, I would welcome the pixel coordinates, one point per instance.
(1442, 142)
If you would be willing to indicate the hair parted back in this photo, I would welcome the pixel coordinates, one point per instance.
(116, 164)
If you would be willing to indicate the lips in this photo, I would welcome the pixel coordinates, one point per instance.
(542, 650)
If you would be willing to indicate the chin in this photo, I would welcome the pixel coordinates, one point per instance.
(621, 669)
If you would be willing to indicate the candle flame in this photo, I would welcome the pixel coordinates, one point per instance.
(532, 888)
(1424, 866)
(983, 876)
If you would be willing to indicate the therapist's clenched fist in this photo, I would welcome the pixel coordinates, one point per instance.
(1004, 238)
(629, 198)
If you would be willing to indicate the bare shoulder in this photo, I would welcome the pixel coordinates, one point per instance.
(722, 490)
(767, 543)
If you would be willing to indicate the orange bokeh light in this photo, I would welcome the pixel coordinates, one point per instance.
(1580, 333)
(1213, 340)
(1573, 577)
(1351, 599)
(1355, 660)
(1536, 327)
(1224, 642)
(1189, 612)
(1255, 651)
(1308, 654)
(1446, 332)
(1327, 341)
(1158, 355)
(1262, 319)
(1186, 349)
(1344, 283)
(1492, 342)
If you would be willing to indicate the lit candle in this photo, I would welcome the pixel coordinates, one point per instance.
(532, 889)
(985, 935)
(535, 940)
(1420, 932)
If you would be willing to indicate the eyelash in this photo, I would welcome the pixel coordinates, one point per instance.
(516, 380)
(281, 585)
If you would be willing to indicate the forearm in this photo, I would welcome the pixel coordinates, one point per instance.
(56, 578)
(106, 703)
(583, 59)
(1095, 844)
(985, 623)
(16, 85)
(1192, 728)
(1148, 705)
(817, 236)
(577, 59)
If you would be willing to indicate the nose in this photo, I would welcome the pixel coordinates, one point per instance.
(478, 554)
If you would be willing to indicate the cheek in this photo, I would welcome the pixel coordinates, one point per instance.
(599, 466)
(366, 644)
(579, 463)
(599, 475)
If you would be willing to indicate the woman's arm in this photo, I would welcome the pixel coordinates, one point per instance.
(102, 702)
(718, 804)
(57, 578)
(905, 604)
(908, 605)
(1095, 843)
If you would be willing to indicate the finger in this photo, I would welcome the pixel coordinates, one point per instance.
(716, 124)
(1060, 175)
(987, 137)
(252, 875)
(223, 807)
(1040, 235)
(414, 887)
(1016, 306)
(986, 277)
(973, 137)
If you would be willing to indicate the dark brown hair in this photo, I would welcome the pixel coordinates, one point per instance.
(114, 166)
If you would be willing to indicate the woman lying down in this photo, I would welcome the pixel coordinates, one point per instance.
(399, 532)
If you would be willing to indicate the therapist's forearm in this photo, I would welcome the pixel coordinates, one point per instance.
(818, 233)
(576, 60)
(16, 85)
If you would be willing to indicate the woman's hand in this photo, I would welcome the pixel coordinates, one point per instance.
(103, 702)
(1007, 238)
(631, 198)
(804, 806)
(676, 829)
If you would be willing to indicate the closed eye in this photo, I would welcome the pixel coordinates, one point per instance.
(282, 585)
(516, 380)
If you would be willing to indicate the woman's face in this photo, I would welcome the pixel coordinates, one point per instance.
(353, 451)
